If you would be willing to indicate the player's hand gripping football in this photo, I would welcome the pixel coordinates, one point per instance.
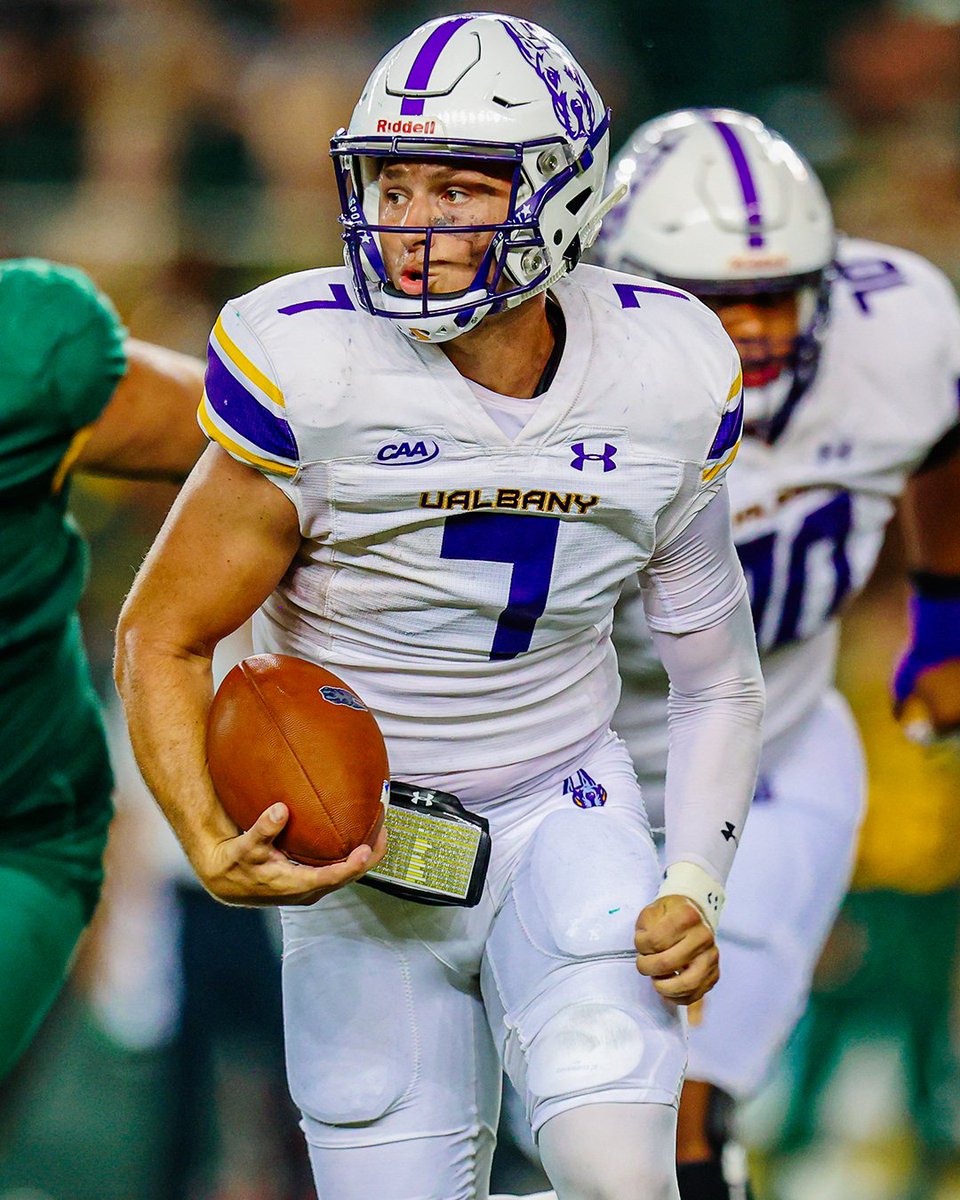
(677, 949)
(250, 870)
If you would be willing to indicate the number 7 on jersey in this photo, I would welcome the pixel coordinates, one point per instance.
(530, 544)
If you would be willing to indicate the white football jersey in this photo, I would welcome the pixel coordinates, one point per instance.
(810, 510)
(462, 581)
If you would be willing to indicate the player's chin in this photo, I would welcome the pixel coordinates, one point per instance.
(450, 282)
(761, 374)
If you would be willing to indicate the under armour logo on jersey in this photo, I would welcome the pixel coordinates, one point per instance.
(580, 456)
(830, 450)
(403, 454)
(335, 695)
(584, 791)
(729, 831)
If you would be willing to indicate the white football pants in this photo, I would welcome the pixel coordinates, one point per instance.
(398, 1016)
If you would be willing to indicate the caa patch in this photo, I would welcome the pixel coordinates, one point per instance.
(335, 695)
(404, 454)
(584, 791)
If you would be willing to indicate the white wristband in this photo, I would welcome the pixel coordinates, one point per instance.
(687, 879)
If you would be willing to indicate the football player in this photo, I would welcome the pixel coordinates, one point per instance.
(77, 395)
(432, 471)
(851, 357)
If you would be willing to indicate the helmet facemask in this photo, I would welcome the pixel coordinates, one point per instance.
(518, 262)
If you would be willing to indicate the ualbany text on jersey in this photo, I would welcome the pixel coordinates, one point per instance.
(512, 499)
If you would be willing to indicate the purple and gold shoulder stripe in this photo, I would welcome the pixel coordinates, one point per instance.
(242, 408)
(727, 442)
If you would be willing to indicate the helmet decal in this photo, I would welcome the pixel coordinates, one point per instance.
(568, 87)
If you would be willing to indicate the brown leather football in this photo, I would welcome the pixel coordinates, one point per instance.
(282, 728)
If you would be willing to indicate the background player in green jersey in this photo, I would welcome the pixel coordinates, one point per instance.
(75, 394)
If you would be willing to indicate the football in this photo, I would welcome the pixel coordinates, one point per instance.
(281, 728)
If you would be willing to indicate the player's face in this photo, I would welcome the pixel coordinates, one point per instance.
(763, 327)
(441, 195)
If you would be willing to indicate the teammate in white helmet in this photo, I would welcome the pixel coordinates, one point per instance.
(851, 357)
(433, 470)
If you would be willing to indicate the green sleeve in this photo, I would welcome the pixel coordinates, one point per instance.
(62, 345)
(87, 358)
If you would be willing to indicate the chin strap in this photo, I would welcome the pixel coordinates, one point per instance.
(592, 227)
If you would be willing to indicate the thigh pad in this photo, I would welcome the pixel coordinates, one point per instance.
(351, 1039)
(583, 880)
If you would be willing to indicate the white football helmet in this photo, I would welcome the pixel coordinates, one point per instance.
(477, 86)
(720, 205)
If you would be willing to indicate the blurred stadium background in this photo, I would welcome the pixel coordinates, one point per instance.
(176, 149)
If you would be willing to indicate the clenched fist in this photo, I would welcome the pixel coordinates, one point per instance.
(677, 949)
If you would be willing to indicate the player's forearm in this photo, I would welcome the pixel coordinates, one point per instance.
(696, 603)
(166, 695)
(715, 719)
(927, 681)
(928, 518)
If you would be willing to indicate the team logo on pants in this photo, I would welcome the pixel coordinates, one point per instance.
(584, 791)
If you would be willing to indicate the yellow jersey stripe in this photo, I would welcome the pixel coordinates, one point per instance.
(240, 360)
(77, 443)
(712, 472)
(735, 387)
(216, 434)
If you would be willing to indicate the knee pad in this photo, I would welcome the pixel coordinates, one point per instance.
(577, 1018)
(573, 903)
(581, 1048)
(351, 1041)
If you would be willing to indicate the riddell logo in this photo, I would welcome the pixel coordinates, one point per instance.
(406, 127)
(753, 261)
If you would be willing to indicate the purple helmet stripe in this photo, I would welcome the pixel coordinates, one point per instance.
(747, 186)
(426, 60)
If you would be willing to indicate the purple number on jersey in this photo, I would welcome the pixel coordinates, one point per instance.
(339, 298)
(829, 524)
(756, 558)
(628, 293)
(868, 275)
(530, 543)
